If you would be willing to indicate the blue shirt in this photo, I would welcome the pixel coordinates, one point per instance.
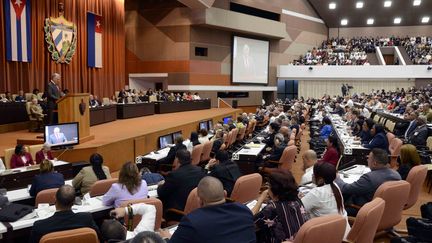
(326, 131)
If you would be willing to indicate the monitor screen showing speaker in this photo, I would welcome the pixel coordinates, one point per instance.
(203, 125)
(250, 60)
(226, 119)
(63, 134)
(164, 141)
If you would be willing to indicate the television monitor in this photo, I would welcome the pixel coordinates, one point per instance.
(226, 119)
(210, 125)
(63, 134)
(164, 141)
(176, 134)
(203, 125)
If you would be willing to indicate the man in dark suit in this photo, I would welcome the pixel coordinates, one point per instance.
(64, 218)
(225, 170)
(216, 221)
(419, 136)
(412, 125)
(169, 159)
(52, 93)
(180, 182)
(363, 190)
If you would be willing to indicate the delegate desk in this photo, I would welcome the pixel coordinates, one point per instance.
(23, 176)
(13, 112)
(151, 160)
(177, 106)
(352, 151)
(103, 114)
(125, 111)
(246, 157)
(400, 123)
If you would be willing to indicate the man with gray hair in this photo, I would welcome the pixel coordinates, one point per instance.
(216, 220)
(52, 92)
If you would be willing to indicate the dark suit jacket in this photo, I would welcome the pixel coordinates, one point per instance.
(169, 159)
(419, 136)
(228, 222)
(174, 192)
(46, 181)
(62, 220)
(40, 156)
(269, 141)
(277, 152)
(365, 137)
(378, 141)
(216, 145)
(227, 172)
(412, 126)
(16, 161)
(52, 92)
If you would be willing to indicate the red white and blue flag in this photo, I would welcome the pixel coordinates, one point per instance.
(18, 30)
(94, 40)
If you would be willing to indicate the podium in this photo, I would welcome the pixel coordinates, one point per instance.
(75, 108)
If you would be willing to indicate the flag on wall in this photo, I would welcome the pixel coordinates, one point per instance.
(18, 30)
(94, 40)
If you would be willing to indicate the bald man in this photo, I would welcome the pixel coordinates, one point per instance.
(309, 160)
(216, 221)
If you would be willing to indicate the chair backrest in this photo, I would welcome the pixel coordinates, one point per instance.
(395, 146)
(137, 218)
(192, 201)
(105, 101)
(40, 95)
(390, 126)
(318, 230)
(46, 196)
(207, 148)
(33, 149)
(227, 139)
(366, 222)
(28, 96)
(86, 235)
(293, 134)
(28, 108)
(288, 157)
(376, 118)
(233, 136)
(390, 137)
(291, 142)
(101, 187)
(299, 134)
(249, 128)
(8, 155)
(247, 188)
(395, 194)
(196, 154)
(241, 134)
(303, 126)
(415, 178)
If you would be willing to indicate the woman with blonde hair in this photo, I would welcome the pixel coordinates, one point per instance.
(130, 186)
(47, 178)
(408, 158)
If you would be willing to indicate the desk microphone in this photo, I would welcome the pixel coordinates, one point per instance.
(64, 150)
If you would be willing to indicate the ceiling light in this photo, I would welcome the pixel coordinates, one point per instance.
(417, 2)
(387, 4)
(370, 21)
(344, 21)
(359, 5)
(397, 20)
(425, 19)
(332, 5)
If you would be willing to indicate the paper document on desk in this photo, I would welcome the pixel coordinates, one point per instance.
(252, 204)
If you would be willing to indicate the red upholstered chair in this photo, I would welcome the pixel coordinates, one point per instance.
(137, 218)
(394, 148)
(192, 203)
(46, 196)
(196, 154)
(246, 188)
(286, 160)
(207, 148)
(101, 187)
(84, 235)
(415, 178)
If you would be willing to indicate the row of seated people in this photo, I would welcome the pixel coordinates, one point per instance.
(127, 95)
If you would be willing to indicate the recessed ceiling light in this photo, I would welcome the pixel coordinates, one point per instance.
(344, 21)
(370, 21)
(359, 5)
(417, 2)
(425, 19)
(387, 4)
(332, 5)
(397, 20)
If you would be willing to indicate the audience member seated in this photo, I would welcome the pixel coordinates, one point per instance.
(231, 124)
(427, 112)
(112, 231)
(332, 153)
(309, 159)
(419, 49)
(20, 97)
(408, 158)
(196, 96)
(148, 219)
(87, 176)
(44, 153)
(93, 101)
(327, 129)
(223, 168)
(193, 141)
(36, 110)
(239, 123)
(21, 157)
(203, 136)
(7, 97)
(365, 134)
(147, 237)
(273, 130)
(284, 213)
(420, 134)
(363, 190)
(216, 220)
(35, 94)
(325, 198)
(178, 183)
(279, 146)
(64, 218)
(47, 179)
(379, 138)
(169, 159)
(130, 186)
(217, 142)
(151, 178)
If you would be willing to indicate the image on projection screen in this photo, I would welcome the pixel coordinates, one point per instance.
(250, 61)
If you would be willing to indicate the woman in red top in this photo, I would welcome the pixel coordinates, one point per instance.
(332, 153)
(44, 154)
(21, 157)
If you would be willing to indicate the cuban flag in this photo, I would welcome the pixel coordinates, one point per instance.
(18, 30)
(94, 40)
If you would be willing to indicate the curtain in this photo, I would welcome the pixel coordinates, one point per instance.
(76, 76)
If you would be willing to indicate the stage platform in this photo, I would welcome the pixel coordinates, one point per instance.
(123, 140)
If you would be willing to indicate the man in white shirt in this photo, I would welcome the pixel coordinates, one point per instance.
(309, 159)
(148, 219)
